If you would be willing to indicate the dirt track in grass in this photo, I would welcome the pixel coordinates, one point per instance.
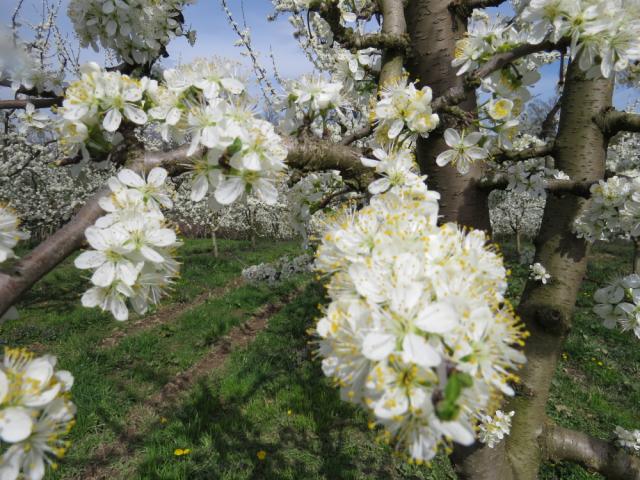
(167, 314)
(110, 461)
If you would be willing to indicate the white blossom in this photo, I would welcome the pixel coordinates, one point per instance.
(10, 233)
(629, 439)
(538, 273)
(464, 150)
(132, 246)
(494, 429)
(414, 331)
(35, 414)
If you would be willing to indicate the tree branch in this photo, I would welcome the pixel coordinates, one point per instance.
(518, 155)
(36, 102)
(548, 126)
(29, 91)
(456, 95)
(614, 121)
(48, 254)
(464, 8)
(357, 135)
(561, 443)
(381, 41)
(579, 188)
(308, 154)
(393, 24)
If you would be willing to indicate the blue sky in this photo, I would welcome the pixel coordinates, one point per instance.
(215, 37)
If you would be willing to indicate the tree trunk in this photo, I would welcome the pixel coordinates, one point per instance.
(393, 23)
(433, 32)
(580, 151)
(636, 254)
(252, 227)
(214, 241)
(518, 242)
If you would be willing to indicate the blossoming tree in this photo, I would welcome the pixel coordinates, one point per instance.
(417, 329)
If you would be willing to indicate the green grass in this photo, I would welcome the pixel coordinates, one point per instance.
(271, 396)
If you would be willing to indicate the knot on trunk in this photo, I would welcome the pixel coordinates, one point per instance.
(550, 319)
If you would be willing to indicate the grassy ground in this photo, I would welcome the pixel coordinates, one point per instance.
(268, 412)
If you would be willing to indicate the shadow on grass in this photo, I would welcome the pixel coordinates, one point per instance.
(271, 397)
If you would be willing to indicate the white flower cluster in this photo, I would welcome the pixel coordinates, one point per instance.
(132, 246)
(350, 10)
(498, 125)
(32, 120)
(22, 66)
(397, 169)
(494, 429)
(308, 103)
(307, 194)
(538, 273)
(242, 153)
(418, 330)
(193, 85)
(464, 150)
(35, 414)
(44, 196)
(604, 33)
(94, 108)
(137, 30)
(619, 303)
(529, 176)
(614, 210)
(349, 67)
(629, 439)
(403, 109)
(10, 235)
(10, 232)
(278, 271)
(488, 36)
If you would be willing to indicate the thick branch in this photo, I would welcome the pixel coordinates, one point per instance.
(613, 121)
(483, 3)
(36, 102)
(518, 155)
(579, 188)
(548, 127)
(464, 8)
(48, 254)
(306, 155)
(309, 154)
(393, 25)
(563, 444)
(381, 41)
(357, 135)
(30, 91)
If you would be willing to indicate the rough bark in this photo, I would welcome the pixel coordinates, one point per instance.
(580, 151)
(434, 29)
(563, 444)
(394, 24)
(613, 121)
(36, 102)
(46, 256)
